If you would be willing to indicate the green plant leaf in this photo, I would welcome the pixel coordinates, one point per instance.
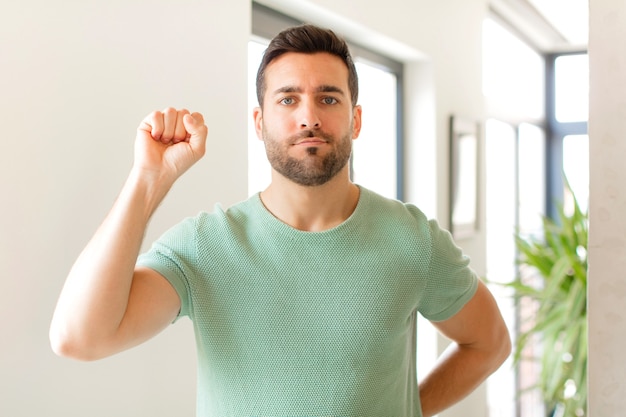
(559, 323)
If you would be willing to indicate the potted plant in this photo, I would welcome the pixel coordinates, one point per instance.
(559, 321)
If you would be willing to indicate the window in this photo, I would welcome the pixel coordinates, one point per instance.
(514, 88)
(501, 175)
(568, 109)
(576, 170)
(571, 88)
(259, 170)
(376, 162)
(536, 138)
(375, 152)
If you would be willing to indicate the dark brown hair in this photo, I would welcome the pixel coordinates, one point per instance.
(307, 39)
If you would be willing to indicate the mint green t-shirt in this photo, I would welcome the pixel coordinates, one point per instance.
(294, 323)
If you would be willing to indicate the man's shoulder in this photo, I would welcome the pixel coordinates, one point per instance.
(234, 223)
(390, 207)
(230, 214)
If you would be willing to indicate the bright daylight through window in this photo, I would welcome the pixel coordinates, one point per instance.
(529, 146)
(514, 89)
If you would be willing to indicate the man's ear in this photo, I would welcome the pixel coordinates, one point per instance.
(257, 114)
(356, 121)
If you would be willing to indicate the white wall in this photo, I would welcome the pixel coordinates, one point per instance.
(607, 241)
(75, 80)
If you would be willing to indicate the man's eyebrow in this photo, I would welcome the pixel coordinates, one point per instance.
(330, 89)
(287, 89)
(321, 89)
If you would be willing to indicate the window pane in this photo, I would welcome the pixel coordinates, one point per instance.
(576, 169)
(259, 170)
(571, 84)
(515, 164)
(532, 202)
(501, 191)
(532, 178)
(375, 151)
(501, 196)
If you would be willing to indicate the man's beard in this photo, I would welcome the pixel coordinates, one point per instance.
(311, 170)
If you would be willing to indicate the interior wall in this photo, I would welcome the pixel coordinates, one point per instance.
(76, 78)
(607, 240)
(75, 81)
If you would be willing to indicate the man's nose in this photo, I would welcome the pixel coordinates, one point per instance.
(309, 117)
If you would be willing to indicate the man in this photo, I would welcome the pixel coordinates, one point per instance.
(304, 297)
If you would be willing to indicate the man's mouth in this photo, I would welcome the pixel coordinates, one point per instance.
(311, 141)
(311, 138)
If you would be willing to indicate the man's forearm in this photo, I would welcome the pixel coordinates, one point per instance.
(458, 372)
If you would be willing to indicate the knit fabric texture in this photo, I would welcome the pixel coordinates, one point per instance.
(294, 323)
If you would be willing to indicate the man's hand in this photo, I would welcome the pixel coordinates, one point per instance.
(169, 142)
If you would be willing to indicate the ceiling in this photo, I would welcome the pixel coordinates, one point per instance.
(548, 25)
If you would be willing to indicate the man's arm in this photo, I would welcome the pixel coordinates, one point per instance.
(480, 344)
(107, 305)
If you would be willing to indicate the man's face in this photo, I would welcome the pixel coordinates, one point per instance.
(308, 121)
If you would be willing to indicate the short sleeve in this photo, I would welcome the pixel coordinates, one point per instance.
(174, 255)
(450, 282)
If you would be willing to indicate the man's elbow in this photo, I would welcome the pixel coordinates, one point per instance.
(502, 347)
(67, 346)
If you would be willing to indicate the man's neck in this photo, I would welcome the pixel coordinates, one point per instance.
(311, 208)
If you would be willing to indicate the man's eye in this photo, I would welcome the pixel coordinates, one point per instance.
(287, 101)
(329, 100)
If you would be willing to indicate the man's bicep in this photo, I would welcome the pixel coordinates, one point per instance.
(153, 304)
(478, 321)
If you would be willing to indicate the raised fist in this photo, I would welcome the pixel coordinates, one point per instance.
(169, 142)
